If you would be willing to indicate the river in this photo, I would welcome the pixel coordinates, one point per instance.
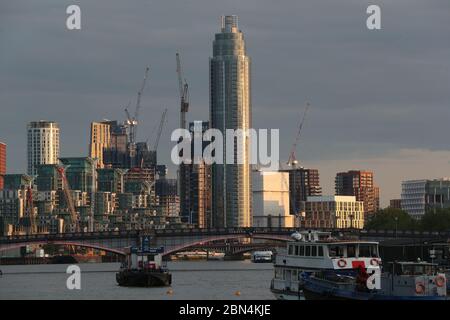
(198, 280)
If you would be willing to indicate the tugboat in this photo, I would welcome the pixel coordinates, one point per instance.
(311, 252)
(144, 268)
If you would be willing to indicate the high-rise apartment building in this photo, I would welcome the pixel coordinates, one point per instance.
(100, 140)
(195, 183)
(303, 182)
(420, 196)
(43, 144)
(230, 108)
(361, 185)
(2, 163)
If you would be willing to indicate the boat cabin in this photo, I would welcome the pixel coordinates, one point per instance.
(143, 260)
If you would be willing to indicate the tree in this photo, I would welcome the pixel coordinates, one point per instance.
(391, 219)
(436, 220)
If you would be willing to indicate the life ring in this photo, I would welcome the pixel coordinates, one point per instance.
(439, 280)
(420, 288)
(374, 262)
(342, 263)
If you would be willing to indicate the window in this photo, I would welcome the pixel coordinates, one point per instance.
(290, 249)
(314, 251)
(351, 251)
(302, 251)
(336, 251)
(296, 250)
(320, 251)
(308, 251)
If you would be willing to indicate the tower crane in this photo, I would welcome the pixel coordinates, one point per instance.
(160, 128)
(132, 121)
(74, 216)
(292, 161)
(184, 93)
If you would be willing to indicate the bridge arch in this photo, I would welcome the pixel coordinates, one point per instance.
(206, 240)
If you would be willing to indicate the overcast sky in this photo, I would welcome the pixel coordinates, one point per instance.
(380, 100)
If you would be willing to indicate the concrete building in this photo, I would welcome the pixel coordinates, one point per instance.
(271, 199)
(110, 180)
(2, 163)
(303, 182)
(333, 212)
(230, 108)
(43, 144)
(360, 184)
(420, 196)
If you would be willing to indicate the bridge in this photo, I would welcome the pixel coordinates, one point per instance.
(176, 240)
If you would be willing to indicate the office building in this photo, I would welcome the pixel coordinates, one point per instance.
(333, 212)
(43, 144)
(420, 196)
(230, 108)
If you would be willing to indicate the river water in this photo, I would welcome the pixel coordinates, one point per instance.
(198, 280)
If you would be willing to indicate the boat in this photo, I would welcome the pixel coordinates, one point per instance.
(402, 281)
(262, 256)
(144, 268)
(310, 252)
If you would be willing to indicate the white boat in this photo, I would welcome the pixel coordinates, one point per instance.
(262, 256)
(318, 251)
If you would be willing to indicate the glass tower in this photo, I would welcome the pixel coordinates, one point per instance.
(230, 108)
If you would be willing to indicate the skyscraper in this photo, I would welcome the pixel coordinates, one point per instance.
(2, 163)
(230, 108)
(359, 184)
(43, 144)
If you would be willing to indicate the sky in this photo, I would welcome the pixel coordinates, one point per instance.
(380, 99)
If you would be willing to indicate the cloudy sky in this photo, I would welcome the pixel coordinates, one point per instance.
(380, 100)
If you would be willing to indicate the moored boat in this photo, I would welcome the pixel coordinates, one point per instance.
(144, 268)
(311, 252)
(262, 256)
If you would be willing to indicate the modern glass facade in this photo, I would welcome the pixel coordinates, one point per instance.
(230, 108)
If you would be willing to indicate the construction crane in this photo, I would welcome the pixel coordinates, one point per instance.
(160, 128)
(184, 94)
(292, 161)
(132, 121)
(74, 217)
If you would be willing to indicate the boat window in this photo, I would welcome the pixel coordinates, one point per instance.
(351, 251)
(290, 249)
(294, 274)
(278, 274)
(368, 250)
(296, 251)
(320, 253)
(307, 251)
(314, 251)
(336, 251)
(302, 250)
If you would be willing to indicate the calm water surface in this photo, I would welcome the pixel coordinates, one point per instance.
(199, 280)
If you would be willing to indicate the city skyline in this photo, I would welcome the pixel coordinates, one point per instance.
(378, 120)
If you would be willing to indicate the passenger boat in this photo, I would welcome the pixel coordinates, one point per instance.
(144, 268)
(402, 281)
(262, 256)
(310, 252)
